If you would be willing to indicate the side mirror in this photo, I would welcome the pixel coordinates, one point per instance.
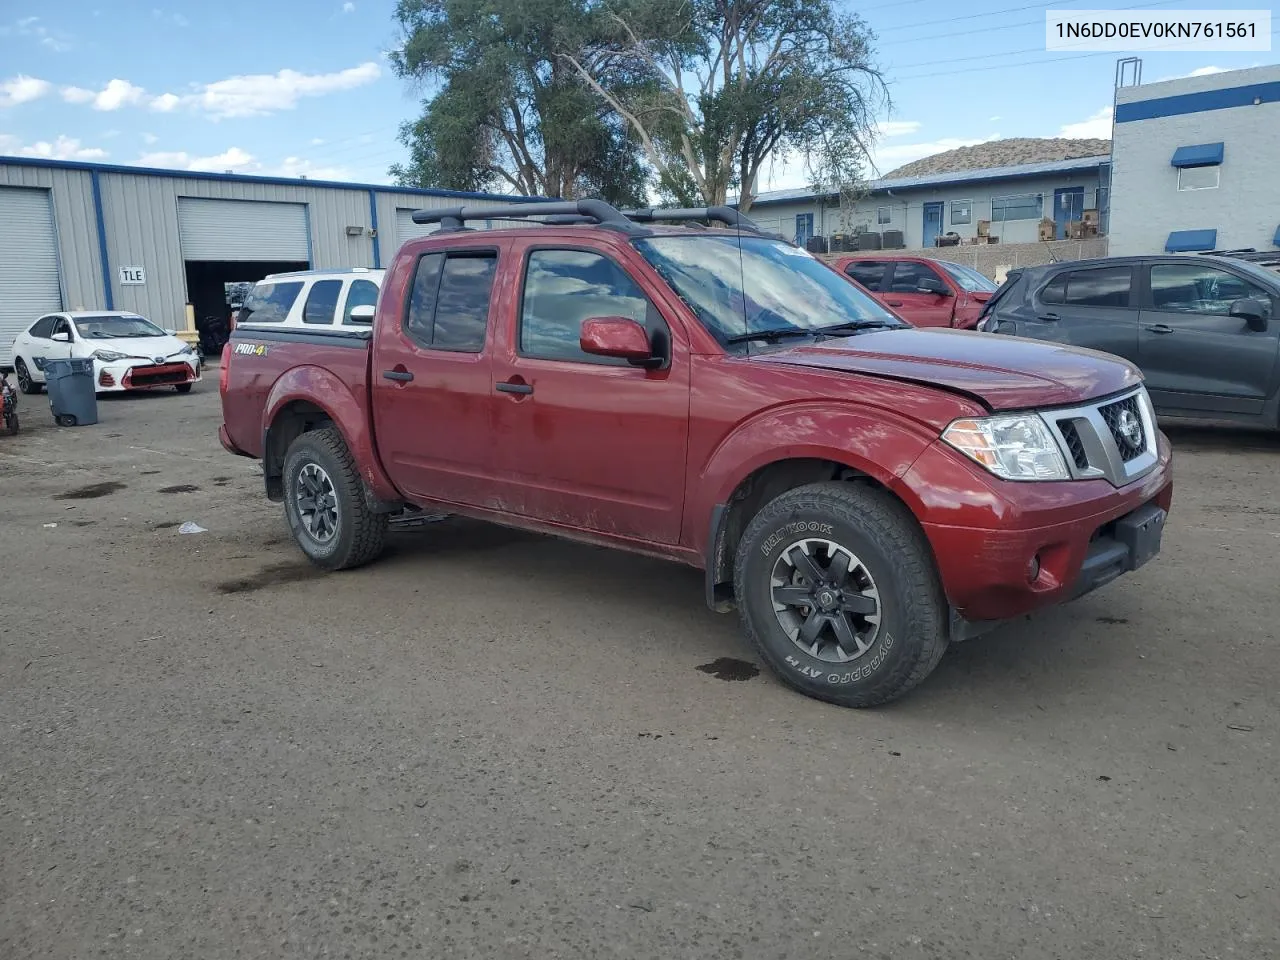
(616, 337)
(362, 314)
(61, 337)
(1256, 313)
(933, 285)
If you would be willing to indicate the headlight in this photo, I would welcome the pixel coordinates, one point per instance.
(186, 351)
(1016, 447)
(108, 356)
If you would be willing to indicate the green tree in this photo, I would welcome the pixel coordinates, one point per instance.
(505, 112)
(716, 89)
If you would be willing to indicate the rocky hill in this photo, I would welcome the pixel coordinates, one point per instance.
(1002, 153)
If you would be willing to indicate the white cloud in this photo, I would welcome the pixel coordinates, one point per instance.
(165, 103)
(1206, 71)
(77, 94)
(53, 40)
(233, 158)
(1097, 126)
(22, 89)
(116, 94)
(298, 167)
(897, 128)
(63, 148)
(260, 94)
(149, 138)
(994, 119)
(317, 141)
(348, 8)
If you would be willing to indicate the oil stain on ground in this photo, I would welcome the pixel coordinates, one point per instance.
(729, 668)
(220, 481)
(91, 492)
(270, 576)
(180, 488)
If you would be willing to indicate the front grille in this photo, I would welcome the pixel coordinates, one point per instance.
(1124, 420)
(1074, 444)
(153, 376)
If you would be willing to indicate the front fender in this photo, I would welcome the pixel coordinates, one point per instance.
(879, 443)
(347, 408)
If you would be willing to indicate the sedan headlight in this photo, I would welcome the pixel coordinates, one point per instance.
(1016, 447)
(108, 356)
(186, 351)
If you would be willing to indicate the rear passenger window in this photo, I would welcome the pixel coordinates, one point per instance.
(1107, 287)
(270, 302)
(363, 293)
(1056, 291)
(322, 302)
(867, 274)
(43, 328)
(449, 305)
(562, 288)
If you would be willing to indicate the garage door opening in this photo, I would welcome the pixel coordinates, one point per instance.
(215, 286)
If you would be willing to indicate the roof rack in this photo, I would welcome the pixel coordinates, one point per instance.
(1264, 258)
(560, 212)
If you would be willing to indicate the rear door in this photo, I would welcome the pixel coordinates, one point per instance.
(922, 309)
(431, 374)
(584, 441)
(1195, 355)
(1094, 307)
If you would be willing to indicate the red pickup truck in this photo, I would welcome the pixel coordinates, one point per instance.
(924, 292)
(863, 492)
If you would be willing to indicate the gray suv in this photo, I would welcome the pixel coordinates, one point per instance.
(1203, 329)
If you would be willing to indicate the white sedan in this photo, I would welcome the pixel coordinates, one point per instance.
(128, 351)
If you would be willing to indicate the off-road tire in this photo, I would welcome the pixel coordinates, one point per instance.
(877, 529)
(183, 387)
(26, 383)
(360, 533)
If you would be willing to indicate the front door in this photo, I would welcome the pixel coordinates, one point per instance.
(583, 441)
(1195, 355)
(932, 223)
(432, 384)
(1068, 205)
(919, 308)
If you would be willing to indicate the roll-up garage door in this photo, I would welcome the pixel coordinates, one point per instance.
(407, 230)
(28, 263)
(243, 230)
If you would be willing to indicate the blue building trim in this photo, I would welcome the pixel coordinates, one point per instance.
(311, 253)
(1276, 239)
(373, 223)
(1187, 241)
(249, 178)
(102, 242)
(1198, 155)
(1202, 102)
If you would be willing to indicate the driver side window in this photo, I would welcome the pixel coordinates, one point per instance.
(62, 325)
(1191, 288)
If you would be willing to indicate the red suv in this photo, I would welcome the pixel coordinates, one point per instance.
(925, 292)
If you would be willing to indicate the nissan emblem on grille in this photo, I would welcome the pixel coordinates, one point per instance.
(1129, 427)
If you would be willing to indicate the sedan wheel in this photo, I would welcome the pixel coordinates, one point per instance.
(25, 382)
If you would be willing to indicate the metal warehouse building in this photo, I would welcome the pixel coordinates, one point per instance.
(80, 236)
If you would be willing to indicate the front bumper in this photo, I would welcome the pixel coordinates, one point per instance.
(1056, 545)
(122, 375)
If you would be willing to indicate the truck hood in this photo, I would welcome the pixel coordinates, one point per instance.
(1005, 373)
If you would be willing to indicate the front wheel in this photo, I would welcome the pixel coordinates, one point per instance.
(837, 590)
(183, 388)
(25, 382)
(325, 506)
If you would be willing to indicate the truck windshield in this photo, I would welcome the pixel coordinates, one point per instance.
(740, 284)
(970, 280)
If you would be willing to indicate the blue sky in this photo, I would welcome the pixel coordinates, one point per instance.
(303, 86)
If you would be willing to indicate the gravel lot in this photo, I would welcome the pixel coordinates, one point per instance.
(493, 744)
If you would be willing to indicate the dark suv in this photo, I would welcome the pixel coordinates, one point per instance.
(1201, 328)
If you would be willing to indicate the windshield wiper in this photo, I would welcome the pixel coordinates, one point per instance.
(777, 333)
(855, 325)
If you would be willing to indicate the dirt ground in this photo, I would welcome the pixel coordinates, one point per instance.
(492, 744)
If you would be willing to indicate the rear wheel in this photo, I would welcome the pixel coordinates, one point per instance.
(25, 383)
(325, 505)
(11, 422)
(837, 590)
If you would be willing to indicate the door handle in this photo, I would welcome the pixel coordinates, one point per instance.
(402, 376)
(893, 303)
(509, 387)
(1158, 328)
(1048, 316)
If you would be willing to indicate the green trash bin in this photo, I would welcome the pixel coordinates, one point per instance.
(72, 395)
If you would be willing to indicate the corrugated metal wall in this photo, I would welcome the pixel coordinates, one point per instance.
(77, 229)
(140, 217)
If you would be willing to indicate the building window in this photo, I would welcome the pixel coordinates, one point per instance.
(884, 215)
(1028, 206)
(1198, 178)
(961, 211)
